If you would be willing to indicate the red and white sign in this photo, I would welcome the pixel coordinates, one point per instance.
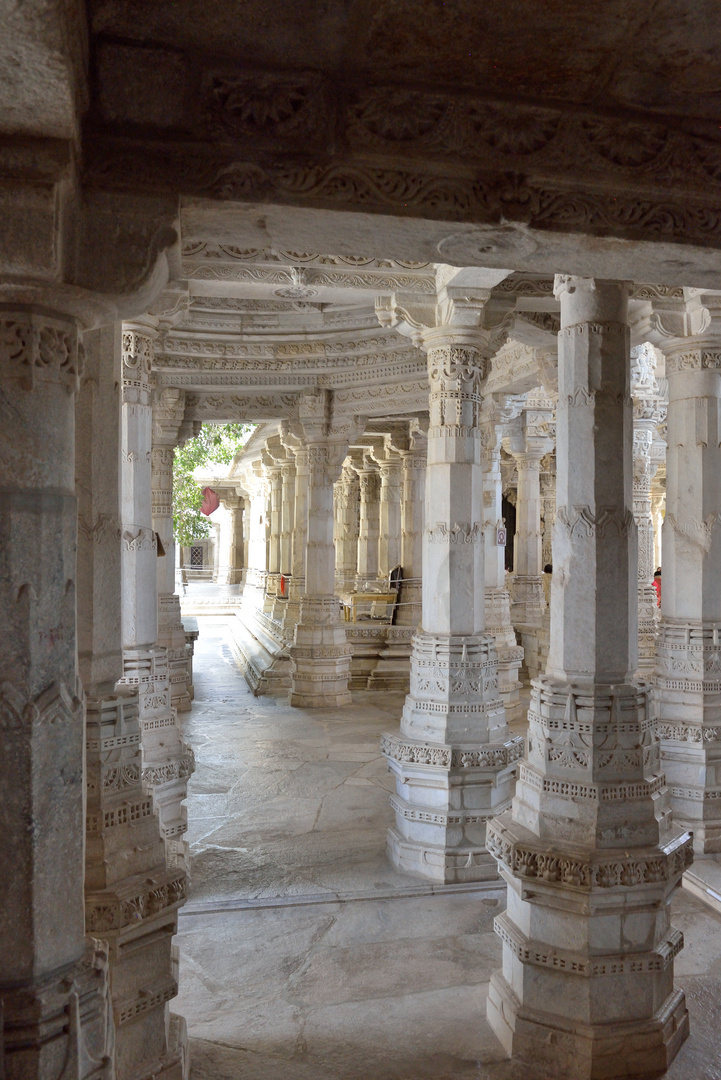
(211, 502)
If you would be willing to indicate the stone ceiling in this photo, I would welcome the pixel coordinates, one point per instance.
(661, 55)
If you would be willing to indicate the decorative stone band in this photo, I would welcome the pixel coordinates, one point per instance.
(689, 733)
(582, 398)
(319, 652)
(135, 901)
(491, 756)
(540, 955)
(36, 347)
(132, 738)
(160, 991)
(581, 521)
(693, 360)
(137, 353)
(126, 813)
(694, 530)
(596, 869)
(459, 533)
(696, 794)
(434, 817)
(141, 666)
(591, 329)
(182, 767)
(510, 655)
(115, 777)
(623, 792)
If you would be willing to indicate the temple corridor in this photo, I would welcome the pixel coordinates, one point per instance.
(303, 953)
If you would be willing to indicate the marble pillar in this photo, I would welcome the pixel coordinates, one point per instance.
(453, 760)
(274, 478)
(53, 983)
(320, 654)
(688, 667)
(285, 541)
(369, 522)
(131, 895)
(168, 413)
(348, 529)
(255, 484)
(648, 412)
(167, 761)
(497, 597)
(658, 510)
(528, 445)
(548, 508)
(389, 514)
(588, 849)
(228, 557)
(412, 525)
(294, 442)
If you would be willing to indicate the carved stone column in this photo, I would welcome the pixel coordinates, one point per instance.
(412, 526)
(228, 557)
(131, 895)
(320, 653)
(294, 441)
(498, 600)
(168, 413)
(348, 525)
(52, 986)
(548, 508)
(286, 518)
(528, 445)
(285, 537)
(588, 849)
(688, 672)
(647, 413)
(167, 761)
(548, 512)
(255, 484)
(454, 758)
(389, 523)
(274, 478)
(369, 522)
(658, 509)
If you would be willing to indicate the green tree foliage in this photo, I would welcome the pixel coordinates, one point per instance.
(215, 444)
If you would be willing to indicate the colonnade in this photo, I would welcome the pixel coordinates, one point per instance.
(589, 821)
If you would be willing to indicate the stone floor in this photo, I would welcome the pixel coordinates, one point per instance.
(304, 956)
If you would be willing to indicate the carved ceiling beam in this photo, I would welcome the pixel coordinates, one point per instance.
(434, 154)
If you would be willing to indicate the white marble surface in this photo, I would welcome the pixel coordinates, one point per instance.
(292, 804)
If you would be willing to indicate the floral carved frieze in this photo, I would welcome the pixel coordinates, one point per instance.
(680, 208)
(34, 347)
(582, 521)
(458, 533)
(530, 952)
(597, 870)
(698, 531)
(138, 901)
(446, 757)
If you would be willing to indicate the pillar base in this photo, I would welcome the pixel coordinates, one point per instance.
(444, 798)
(60, 1025)
(528, 601)
(171, 638)
(587, 1051)
(448, 866)
(321, 657)
(689, 726)
(586, 988)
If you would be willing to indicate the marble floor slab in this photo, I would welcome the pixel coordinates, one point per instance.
(304, 955)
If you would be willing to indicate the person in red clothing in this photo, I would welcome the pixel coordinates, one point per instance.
(657, 586)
